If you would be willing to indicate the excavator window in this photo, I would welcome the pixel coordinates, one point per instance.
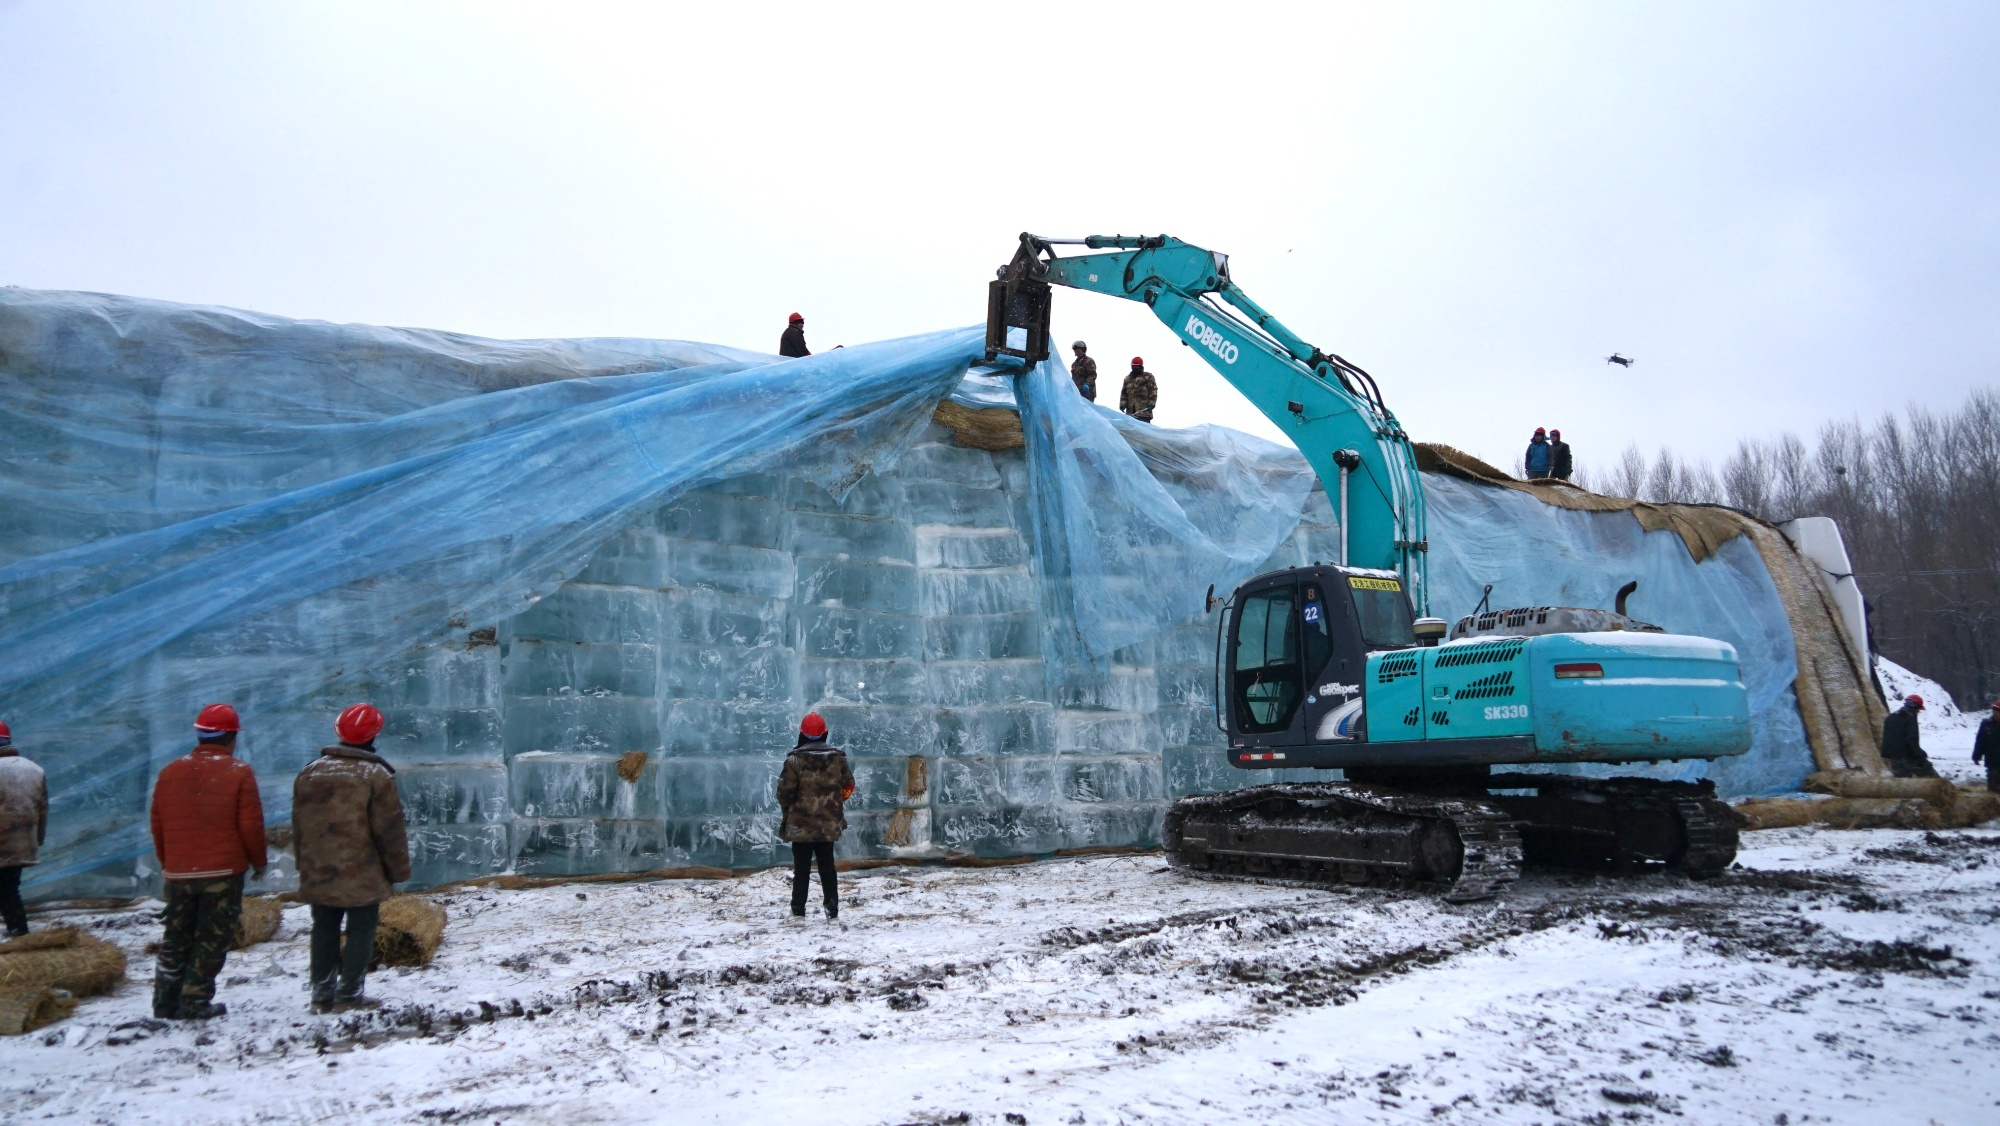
(1383, 611)
(1264, 674)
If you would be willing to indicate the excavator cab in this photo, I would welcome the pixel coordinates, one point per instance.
(1294, 651)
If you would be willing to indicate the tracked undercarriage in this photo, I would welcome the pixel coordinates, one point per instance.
(1467, 843)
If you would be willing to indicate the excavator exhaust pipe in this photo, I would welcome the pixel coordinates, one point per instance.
(1624, 592)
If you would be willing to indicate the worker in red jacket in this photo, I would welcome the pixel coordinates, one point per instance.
(208, 829)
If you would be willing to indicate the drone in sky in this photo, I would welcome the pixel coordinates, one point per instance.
(1621, 361)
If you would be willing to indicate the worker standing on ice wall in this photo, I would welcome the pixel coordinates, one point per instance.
(347, 825)
(1140, 393)
(792, 344)
(1902, 749)
(24, 825)
(208, 829)
(1537, 459)
(813, 790)
(1561, 464)
(1986, 748)
(1083, 370)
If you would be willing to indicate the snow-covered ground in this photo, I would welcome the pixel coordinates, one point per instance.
(1834, 977)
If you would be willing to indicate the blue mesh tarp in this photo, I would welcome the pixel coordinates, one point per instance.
(1536, 554)
(201, 504)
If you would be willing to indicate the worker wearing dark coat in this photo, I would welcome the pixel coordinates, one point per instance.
(1083, 370)
(813, 790)
(1902, 750)
(1561, 465)
(1986, 747)
(1140, 393)
(1537, 461)
(792, 344)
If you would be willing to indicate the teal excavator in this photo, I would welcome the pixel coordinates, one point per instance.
(1339, 665)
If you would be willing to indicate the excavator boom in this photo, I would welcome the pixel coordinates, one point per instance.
(1331, 408)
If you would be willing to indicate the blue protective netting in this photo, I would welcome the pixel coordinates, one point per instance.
(1536, 554)
(204, 504)
(1135, 524)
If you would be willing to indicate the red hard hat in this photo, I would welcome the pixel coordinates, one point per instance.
(796, 317)
(1539, 430)
(7, 732)
(1913, 698)
(216, 719)
(1137, 362)
(358, 724)
(813, 726)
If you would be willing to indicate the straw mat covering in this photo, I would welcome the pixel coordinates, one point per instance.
(258, 922)
(992, 428)
(410, 930)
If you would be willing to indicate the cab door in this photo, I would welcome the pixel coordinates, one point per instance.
(1266, 682)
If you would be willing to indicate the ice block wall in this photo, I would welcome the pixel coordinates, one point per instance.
(905, 615)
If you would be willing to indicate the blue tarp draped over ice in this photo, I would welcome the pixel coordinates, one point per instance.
(1536, 554)
(1134, 523)
(202, 504)
(249, 514)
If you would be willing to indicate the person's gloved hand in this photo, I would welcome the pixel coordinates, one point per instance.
(846, 792)
(257, 874)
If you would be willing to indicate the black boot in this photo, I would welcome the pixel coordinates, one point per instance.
(166, 998)
(200, 1010)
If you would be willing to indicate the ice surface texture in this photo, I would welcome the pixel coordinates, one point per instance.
(538, 556)
(203, 504)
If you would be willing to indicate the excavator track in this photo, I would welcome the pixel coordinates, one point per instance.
(1623, 824)
(1327, 833)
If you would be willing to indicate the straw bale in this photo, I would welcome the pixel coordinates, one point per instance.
(1777, 813)
(1979, 806)
(1838, 704)
(916, 777)
(631, 764)
(258, 922)
(1853, 784)
(25, 1010)
(993, 428)
(897, 835)
(1841, 813)
(409, 932)
(50, 939)
(61, 958)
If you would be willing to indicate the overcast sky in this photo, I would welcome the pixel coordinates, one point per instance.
(1784, 212)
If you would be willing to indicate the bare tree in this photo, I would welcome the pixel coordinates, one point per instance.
(1918, 501)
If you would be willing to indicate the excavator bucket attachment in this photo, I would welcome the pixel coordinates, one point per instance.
(1017, 308)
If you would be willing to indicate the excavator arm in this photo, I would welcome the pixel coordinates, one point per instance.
(1332, 409)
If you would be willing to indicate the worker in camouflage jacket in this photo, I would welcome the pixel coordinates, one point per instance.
(813, 789)
(1902, 749)
(1141, 392)
(208, 829)
(347, 827)
(1986, 747)
(1083, 370)
(24, 825)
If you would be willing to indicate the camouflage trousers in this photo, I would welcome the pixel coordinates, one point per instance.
(200, 923)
